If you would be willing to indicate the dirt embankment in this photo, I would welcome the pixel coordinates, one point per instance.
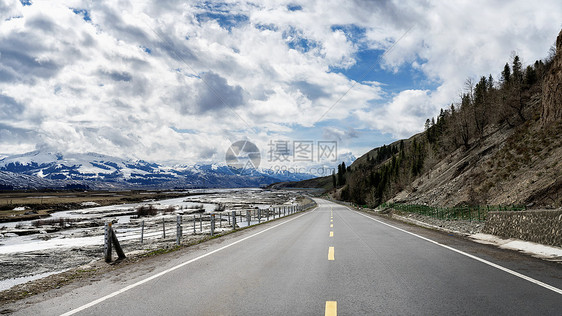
(506, 167)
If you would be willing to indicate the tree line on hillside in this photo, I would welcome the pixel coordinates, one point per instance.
(512, 100)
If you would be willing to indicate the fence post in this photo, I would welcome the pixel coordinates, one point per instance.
(259, 216)
(248, 216)
(267, 214)
(178, 229)
(118, 249)
(200, 222)
(220, 220)
(194, 224)
(478, 212)
(212, 224)
(142, 231)
(163, 228)
(233, 220)
(107, 242)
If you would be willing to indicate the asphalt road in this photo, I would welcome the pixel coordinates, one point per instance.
(326, 261)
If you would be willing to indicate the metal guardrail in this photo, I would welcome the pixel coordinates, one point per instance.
(471, 213)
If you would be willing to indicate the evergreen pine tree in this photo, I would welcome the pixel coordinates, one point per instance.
(517, 71)
(506, 74)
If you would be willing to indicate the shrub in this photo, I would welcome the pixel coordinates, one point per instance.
(169, 209)
(146, 210)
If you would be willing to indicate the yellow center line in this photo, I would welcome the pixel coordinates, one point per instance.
(331, 221)
(331, 225)
(331, 234)
(331, 253)
(331, 308)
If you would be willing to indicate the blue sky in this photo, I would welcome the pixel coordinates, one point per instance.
(178, 82)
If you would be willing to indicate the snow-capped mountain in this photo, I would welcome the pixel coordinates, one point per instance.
(91, 170)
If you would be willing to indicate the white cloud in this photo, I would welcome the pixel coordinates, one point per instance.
(452, 41)
(400, 117)
(161, 80)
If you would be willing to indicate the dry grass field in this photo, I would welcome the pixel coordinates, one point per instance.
(31, 205)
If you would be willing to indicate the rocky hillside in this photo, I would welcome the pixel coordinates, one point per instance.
(509, 164)
(501, 144)
(552, 88)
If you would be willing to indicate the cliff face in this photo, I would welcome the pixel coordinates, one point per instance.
(552, 88)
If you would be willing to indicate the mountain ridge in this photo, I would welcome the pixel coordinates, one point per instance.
(50, 169)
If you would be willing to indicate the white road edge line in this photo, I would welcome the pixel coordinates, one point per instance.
(125, 289)
(517, 274)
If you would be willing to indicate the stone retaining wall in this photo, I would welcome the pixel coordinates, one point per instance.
(543, 227)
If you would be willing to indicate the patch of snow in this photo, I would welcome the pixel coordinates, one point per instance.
(37, 245)
(9, 283)
(534, 249)
(20, 208)
(89, 204)
(95, 170)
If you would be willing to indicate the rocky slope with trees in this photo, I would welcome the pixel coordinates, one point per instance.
(501, 144)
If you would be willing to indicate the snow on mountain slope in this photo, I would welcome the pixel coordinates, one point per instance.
(99, 171)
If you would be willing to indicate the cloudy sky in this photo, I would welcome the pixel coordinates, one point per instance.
(179, 81)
